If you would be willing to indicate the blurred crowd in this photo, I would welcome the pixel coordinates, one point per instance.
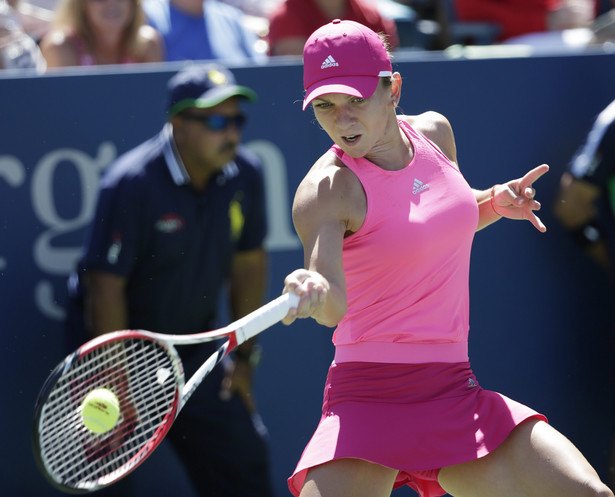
(44, 34)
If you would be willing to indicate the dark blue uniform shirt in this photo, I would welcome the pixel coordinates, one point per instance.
(173, 243)
(595, 162)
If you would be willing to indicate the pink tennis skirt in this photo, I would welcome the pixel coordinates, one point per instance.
(416, 418)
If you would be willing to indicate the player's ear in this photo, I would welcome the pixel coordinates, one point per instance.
(396, 88)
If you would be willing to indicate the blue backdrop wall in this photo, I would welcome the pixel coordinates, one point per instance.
(540, 313)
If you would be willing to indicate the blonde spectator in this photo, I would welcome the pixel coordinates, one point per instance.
(96, 32)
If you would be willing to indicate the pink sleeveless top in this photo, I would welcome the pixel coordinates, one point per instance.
(407, 267)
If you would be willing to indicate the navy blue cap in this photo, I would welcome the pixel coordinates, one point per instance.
(203, 86)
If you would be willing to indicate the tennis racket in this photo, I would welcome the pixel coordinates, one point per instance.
(144, 370)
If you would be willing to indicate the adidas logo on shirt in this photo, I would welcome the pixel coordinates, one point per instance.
(329, 62)
(418, 186)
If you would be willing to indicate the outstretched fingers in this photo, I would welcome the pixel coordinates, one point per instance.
(527, 191)
(525, 184)
(534, 219)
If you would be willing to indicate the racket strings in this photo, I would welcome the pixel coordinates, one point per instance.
(144, 377)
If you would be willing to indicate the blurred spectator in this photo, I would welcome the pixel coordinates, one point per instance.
(203, 30)
(413, 30)
(260, 8)
(293, 21)
(433, 23)
(586, 200)
(17, 49)
(571, 14)
(599, 31)
(93, 32)
(603, 27)
(585, 206)
(34, 19)
(519, 17)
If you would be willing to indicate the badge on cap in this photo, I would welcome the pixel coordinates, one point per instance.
(217, 77)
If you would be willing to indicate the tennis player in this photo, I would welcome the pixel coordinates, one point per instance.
(387, 221)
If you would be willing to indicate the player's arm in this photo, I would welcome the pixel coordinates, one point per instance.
(575, 208)
(106, 308)
(321, 218)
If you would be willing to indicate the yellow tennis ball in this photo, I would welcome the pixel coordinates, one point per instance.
(100, 410)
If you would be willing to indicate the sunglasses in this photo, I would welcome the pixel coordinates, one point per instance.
(217, 122)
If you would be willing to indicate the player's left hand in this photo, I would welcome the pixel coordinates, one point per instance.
(515, 199)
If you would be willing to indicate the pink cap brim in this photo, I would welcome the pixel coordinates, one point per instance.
(357, 86)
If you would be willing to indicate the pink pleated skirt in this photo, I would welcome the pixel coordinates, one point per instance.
(416, 418)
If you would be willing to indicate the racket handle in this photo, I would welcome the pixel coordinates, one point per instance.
(264, 317)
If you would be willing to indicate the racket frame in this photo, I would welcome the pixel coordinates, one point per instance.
(236, 333)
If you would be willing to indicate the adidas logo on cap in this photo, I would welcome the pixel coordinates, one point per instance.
(329, 62)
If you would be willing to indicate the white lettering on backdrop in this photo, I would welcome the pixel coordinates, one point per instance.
(58, 260)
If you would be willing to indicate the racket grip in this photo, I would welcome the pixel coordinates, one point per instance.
(264, 317)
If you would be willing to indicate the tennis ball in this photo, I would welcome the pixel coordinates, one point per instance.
(100, 410)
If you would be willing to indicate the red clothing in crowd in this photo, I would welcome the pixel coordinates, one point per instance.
(515, 17)
(300, 18)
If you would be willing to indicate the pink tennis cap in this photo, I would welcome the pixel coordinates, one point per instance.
(343, 57)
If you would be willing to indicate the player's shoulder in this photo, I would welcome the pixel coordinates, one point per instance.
(428, 122)
(330, 169)
(437, 128)
(328, 185)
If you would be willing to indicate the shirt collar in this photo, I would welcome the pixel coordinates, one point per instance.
(171, 154)
(176, 166)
